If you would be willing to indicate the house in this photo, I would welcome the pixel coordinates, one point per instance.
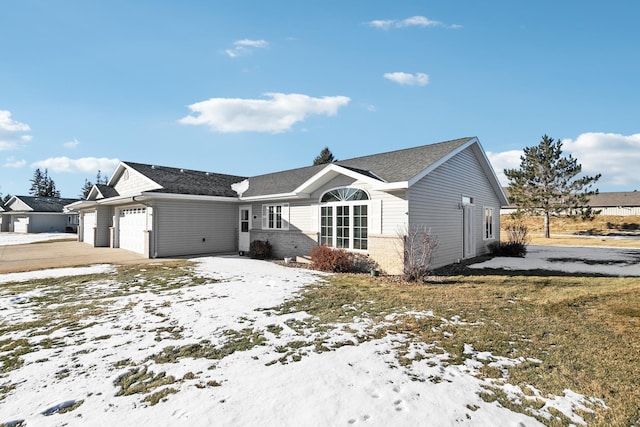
(34, 214)
(616, 203)
(361, 205)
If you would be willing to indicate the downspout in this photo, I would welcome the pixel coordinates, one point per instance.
(153, 225)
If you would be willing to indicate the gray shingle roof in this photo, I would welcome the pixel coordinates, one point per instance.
(46, 204)
(186, 181)
(107, 191)
(393, 166)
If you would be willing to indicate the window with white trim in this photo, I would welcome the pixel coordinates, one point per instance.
(344, 218)
(275, 217)
(488, 223)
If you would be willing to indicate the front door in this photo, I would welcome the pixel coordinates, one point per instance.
(244, 228)
(468, 231)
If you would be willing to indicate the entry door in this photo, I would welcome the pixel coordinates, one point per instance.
(468, 231)
(244, 228)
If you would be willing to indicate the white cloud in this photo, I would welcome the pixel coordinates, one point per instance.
(71, 144)
(84, 165)
(417, 79)
(276, 114)
(12, 132)
(414, 21)
(12, 162)
(613, 155)
(245, 47)
(504, 160)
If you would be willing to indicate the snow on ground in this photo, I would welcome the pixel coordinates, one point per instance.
(24, 238)
(55, 273)
(588, 260)
(80, 375)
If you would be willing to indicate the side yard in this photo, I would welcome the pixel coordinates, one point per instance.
(232, 341)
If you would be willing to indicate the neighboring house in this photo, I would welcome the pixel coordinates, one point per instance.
(618, 203)
(32, 214)
(362, 205)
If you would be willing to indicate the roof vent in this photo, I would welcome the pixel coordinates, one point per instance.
(153, 167)
(182, 170)
(207, 173)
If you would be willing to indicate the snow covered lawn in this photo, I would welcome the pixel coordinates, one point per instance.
(222, 343)
(24, 238)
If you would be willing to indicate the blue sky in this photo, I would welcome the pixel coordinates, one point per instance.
(251, 87)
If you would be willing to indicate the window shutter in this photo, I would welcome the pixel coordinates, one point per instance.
(265, 217)
(285, 216)
(375, 217)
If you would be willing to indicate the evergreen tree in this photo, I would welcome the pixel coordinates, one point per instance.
(88, 185)
(42, 185)
(549, 183)
(325, 156)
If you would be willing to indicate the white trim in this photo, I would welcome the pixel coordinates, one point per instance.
(280, 196)
(284, 217)
(493, 222)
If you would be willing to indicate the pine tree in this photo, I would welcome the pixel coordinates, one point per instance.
(88, 185)
(549, 183)
(325, 156)
(42, 185)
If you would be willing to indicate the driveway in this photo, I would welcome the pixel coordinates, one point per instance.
(53, 254)
(579, 260)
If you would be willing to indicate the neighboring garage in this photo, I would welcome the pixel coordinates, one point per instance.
(20, 224)
(89, 227)
(132, 229)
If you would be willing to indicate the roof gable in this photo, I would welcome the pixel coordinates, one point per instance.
(187, 181)
(38, 204)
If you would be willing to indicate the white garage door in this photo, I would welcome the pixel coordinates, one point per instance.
(88, 226)
(20, 224)
(133, 223)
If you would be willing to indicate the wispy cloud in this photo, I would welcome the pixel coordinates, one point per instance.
(613, 155)
(71, 144)
(12, 162)
(245, 47)
(12, 132)
(417, 79)
(414, 21)
(82, 165)
(278, 113)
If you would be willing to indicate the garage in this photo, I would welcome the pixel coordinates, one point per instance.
(20, 224)
(133, 224)
(89, 225)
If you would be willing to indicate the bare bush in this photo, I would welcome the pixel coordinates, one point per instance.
(418, 248)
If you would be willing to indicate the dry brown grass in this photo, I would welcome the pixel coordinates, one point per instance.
(585, 330)
(601, 231)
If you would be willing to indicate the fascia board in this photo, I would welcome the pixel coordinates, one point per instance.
(174, 196)
(82, 204)
(280, 196)
(317, 180)
(390, 186)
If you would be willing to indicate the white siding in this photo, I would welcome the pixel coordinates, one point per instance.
(194, 227)
(435, 202)
(19, 205)
(132, 182)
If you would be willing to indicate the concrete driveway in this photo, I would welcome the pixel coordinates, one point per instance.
(37, 256)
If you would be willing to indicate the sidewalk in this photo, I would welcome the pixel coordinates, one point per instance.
(36, 256)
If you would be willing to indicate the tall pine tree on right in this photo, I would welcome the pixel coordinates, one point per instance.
(549, 183)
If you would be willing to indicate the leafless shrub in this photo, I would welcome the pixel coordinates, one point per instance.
(418, 248)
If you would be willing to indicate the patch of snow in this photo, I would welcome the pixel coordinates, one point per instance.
(7, 239)
(352, 381)
(56, 273)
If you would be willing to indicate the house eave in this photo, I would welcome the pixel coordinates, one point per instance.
(391, 186)
(280, 196)
(145, 196)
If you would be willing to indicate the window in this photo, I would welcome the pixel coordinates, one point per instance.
(488, 223)
(275, 217)
(343, 218)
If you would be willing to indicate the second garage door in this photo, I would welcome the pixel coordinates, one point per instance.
(133, 223)
(88, 227)
(20, 224)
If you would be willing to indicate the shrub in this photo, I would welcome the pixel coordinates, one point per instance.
(418, 248)
(260, 249)
(325, 258)
(510, 249)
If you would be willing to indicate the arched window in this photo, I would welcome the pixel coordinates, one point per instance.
(344, 218)
(344, 194)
